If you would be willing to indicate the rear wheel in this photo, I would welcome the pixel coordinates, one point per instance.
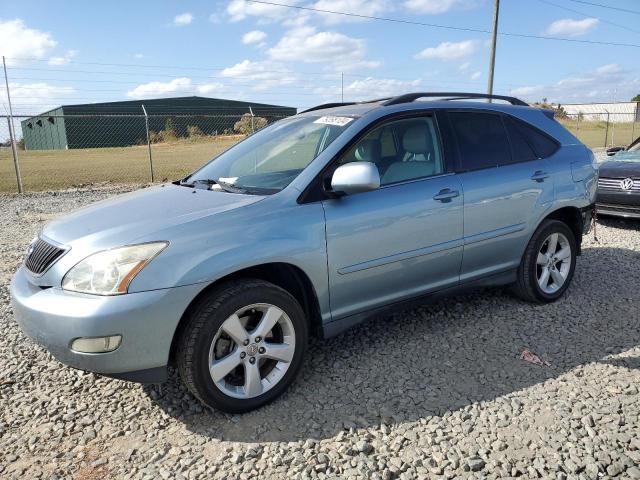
(548, 263)
(243, 345)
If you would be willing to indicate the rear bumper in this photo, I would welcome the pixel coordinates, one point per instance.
(587, 214)
(146, 321)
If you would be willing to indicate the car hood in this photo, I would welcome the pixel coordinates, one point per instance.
(123, 219)
(622, 166)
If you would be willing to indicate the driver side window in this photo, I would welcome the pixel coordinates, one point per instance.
(402, 150)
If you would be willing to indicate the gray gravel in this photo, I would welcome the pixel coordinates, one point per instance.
(435, 391)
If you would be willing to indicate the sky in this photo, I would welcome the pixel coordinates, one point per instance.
(81, 52)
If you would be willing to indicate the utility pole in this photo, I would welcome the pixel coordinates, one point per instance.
(12, 130)
(494, 36)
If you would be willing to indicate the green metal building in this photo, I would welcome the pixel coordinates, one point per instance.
(121, 124)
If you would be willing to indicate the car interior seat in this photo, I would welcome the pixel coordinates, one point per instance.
(419, 159)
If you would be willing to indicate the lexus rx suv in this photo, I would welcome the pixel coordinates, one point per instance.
(309, 226)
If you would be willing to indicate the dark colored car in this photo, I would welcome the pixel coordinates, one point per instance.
(619, 182)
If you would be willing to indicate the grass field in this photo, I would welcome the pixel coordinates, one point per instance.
(58, 169)
(593, 134)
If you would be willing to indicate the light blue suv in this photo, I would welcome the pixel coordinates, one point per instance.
(308, 227)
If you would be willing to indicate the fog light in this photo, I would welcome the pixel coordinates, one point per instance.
(96, 344)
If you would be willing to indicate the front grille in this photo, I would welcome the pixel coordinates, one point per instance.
(41, 256)
(616, 184)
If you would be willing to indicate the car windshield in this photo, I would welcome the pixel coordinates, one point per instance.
(269, 160)
(631, 154)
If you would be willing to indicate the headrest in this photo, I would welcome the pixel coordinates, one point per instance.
(417, 140)
(368, 151)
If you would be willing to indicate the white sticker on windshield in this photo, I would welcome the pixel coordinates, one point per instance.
(338, 121)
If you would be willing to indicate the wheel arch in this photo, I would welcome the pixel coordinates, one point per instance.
(285, 275)
(572, 217)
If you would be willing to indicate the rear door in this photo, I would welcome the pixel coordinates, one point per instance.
(403, 239)
(506, 185)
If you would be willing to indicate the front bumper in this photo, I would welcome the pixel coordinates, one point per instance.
(624, 211)
(147, 322)
(619, 204)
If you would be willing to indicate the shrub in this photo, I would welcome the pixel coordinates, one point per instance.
(249, 124)
(169, 132)
(558, 109)
(193, 131)
(155, 137)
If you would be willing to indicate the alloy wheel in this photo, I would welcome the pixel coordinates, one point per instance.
(553, 263)
(252, 351)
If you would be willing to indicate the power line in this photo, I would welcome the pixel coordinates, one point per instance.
(372, 17)
(447, 27)
(636, 12)
(587, 16)
(256, 72)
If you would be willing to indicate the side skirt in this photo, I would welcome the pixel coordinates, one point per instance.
(338, 326)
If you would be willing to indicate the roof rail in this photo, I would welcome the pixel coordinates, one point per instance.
(343, 104)
(328, 105)
(410, 97)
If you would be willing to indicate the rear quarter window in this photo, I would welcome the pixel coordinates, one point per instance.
(520, 145)
(543, 145)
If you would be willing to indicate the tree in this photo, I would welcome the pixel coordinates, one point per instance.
(249, 124)
(636, 98)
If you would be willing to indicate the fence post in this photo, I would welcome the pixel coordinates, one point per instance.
(14, 151)
(146, 126)
(613, 133)
(606, 132)
(252, 124)
(12, 133)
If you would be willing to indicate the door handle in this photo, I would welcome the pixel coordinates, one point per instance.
(539, 176)
(445, 195)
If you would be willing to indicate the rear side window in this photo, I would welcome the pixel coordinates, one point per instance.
(542, 145)
(522, 150)
(482, 139)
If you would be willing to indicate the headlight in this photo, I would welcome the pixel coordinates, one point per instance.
(111, 271)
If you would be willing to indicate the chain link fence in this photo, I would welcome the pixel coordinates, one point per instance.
(602, 130)
(65, 151)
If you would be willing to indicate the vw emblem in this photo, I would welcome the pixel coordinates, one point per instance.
(626, 184)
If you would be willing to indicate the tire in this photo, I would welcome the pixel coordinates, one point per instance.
(530, 282)
(214, 336)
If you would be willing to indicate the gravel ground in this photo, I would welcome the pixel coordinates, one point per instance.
(435, 391)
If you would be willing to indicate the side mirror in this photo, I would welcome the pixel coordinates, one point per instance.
(613, 150)
(355, 177)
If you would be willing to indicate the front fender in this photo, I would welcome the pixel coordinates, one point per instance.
(294, 234)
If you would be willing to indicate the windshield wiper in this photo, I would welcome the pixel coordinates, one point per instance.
(207, 183)
(230, 187)
(198, 183)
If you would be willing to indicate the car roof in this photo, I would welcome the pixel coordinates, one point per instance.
(416, 100)
(359, 109)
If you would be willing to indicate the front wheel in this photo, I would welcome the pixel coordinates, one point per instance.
(548, 263)
(242, 346)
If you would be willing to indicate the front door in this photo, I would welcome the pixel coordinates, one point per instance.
(403, 239)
